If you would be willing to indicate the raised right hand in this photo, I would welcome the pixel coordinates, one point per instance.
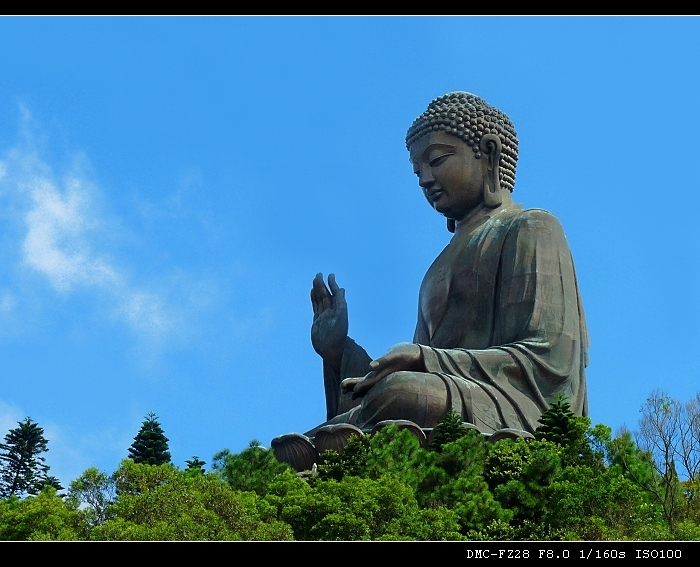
(330, 327)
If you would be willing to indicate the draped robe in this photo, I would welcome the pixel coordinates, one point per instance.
(501, 331)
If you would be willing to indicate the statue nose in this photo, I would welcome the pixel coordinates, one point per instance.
(426, 178)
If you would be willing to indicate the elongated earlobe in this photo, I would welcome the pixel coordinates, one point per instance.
(490, 146)
(451, 225)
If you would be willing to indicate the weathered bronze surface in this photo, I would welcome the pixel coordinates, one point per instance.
(500, 329)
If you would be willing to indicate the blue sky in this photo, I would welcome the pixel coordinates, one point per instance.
(170, 186)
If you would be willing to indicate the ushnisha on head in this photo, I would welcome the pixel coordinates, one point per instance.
(470, 118)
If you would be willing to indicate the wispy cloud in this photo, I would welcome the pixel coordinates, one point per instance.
(62, 238)
(56, 243)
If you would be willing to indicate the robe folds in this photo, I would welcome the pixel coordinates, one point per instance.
(500, 326)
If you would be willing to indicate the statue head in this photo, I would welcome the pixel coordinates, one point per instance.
(486, 131)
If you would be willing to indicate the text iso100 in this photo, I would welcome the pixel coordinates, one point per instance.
(658, 553)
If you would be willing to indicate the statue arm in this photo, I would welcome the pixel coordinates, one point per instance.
(421, 337)
(540, 340)
(354, 363)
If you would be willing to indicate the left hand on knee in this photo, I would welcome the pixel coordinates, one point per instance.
(403, 356)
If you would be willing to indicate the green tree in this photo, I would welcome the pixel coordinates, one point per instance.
(352, 461)
(196, 465)
(561, 426)
(357, 508)
(394, 452)
(164, 503)
(520, 474)
(448, 430)
(453, 477)
(96, 492)
(52, 481)
(22, 466)
(252, 469)
(449, 479)
(150, 445)
(663, 432)
(43, 517)
(594, 504)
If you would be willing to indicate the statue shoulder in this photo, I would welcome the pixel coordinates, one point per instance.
(536, 219)
(536, 227)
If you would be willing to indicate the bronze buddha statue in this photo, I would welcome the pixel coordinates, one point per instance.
(501, 328)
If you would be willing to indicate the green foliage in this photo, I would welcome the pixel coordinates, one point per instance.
(520, 474)
(572, 482)
(556, 423)
(589, 504)
(561, 426)
(448, 430)
(52, 481)
(96, 492)
(22, 466)
(449, 480)
(150, 445)
(454, 478)
(352, 461)
(556, 492)
(162, 503)
(357, 509)
(43, 517)
(393, 452)
(669, 440)
(195, 465)
(252, 469)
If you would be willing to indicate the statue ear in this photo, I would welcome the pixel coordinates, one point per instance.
(451, 225)
(490, 146)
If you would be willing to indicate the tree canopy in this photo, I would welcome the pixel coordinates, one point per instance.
(150, 445)
(572, 481)
(23, 469)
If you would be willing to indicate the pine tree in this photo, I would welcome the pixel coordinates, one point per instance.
(150, 445)
(50, 480)
(562, 426)
(557, 422)
(195, 464)
(450, 429)
(22, 469)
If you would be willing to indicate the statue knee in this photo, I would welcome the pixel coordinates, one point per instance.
(415, 396)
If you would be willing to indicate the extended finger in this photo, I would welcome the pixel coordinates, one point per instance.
(314, 303)
(316, 300)
(338, 292)
(369, 382)
(382, 361)
(323, 296)
(319, 285)
(349, 383)
(332, 284)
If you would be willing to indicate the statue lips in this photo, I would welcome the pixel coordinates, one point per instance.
(435, 195)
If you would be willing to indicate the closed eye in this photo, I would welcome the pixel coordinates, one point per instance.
(439, 160)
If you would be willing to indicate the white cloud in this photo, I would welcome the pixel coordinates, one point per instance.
(56, 243)
(63, 238)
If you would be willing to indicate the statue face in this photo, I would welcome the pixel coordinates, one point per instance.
(451, 177)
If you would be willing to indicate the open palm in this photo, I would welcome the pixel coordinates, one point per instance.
(330, 326)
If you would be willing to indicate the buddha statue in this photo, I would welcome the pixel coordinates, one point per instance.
(501, 329)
